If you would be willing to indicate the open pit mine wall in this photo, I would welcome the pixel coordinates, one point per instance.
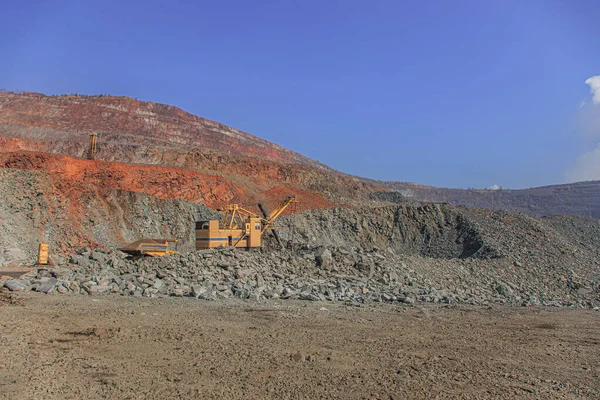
(430, 230)
(136, 132)
(130, 149)
(256, 174)
(33, 211)
(438, 231)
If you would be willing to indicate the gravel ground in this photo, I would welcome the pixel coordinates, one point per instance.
(128, 348)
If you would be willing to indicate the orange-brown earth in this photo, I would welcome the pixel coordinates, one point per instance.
(74, 184)
(243, 167)
(76, 178)
(154, 149)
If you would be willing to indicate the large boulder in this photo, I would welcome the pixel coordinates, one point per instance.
(324, 257)
(47, 285)
(14, 285)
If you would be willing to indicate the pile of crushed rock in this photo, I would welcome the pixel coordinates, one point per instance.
(343, 274)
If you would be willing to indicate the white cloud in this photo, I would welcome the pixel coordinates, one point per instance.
(495, 186)
(594, 84)
(587, 167)
(588, 119)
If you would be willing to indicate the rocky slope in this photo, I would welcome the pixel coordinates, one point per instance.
(136, 132)
(68, 117)
(161, 151)
(582, 198)
(159, 169)
(155, 176)
(410, 253)
(35, 210)
(148, 154)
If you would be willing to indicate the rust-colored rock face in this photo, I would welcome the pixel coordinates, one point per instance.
(77, 178)
(155, 150)
(159, 136)
(145, 120)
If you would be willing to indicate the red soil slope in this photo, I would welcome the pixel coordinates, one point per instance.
(75, 177)
(136, 132)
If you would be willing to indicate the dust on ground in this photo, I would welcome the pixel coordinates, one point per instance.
(123, 348)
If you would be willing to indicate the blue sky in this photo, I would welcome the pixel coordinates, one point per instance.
(447, 93)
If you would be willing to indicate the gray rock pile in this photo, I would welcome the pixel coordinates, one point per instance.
(344, 274)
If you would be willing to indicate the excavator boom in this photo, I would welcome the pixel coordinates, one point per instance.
(276, 212)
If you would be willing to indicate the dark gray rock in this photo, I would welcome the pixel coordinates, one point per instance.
(14, 285)
(198, 290)
(208, 295)
(47, 285)
(366, 267)
(324, 258)
(80, 260)
(241, 293)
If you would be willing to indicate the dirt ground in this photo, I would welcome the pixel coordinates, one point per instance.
(75, 347)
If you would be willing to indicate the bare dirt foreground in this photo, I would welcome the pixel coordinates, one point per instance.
(126, 348)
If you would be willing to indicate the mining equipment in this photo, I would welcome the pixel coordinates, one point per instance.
(239, 227)
(43, 254)
(151, 247)
(92, 150)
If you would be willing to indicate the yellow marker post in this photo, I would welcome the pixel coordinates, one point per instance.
(43, 254)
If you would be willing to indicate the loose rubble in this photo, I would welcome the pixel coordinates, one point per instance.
(351, 275)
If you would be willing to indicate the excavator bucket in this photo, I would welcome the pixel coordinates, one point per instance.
(151, 247)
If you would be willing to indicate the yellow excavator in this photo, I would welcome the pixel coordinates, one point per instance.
(239, 227)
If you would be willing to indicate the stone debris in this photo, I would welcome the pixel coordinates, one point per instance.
(14, 285)
(353, 275)
(46, 285)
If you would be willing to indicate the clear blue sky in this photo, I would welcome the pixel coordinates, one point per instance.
(448, 93)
